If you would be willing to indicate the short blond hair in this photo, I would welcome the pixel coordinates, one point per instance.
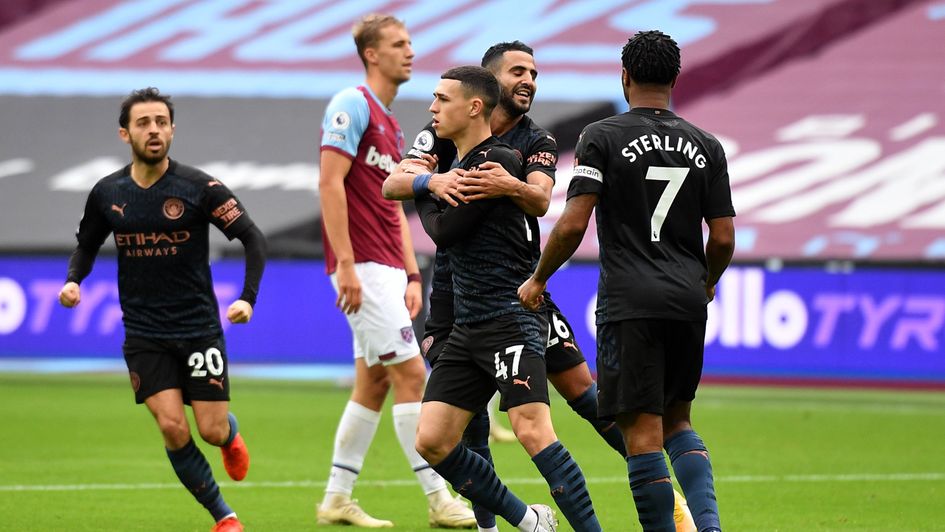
(367, 31)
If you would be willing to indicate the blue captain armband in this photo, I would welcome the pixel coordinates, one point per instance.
(420, 185)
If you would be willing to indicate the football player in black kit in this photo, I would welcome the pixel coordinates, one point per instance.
(654, 178)
(513, 64)
(159, 211)
(494, 343)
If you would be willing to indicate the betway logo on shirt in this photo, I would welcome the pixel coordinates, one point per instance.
(384, 162)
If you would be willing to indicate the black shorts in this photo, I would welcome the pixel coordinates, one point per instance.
(197, 366)
(434, 339)
(563, 352)
(643, 366)
(504, 354)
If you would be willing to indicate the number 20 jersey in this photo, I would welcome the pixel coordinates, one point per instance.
(657, 177)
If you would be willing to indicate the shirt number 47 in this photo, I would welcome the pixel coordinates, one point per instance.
(501, 369)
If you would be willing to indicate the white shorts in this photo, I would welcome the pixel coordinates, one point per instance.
(382, 329)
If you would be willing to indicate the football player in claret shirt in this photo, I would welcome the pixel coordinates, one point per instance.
(654, 179)
(159, 212)
(369, 256)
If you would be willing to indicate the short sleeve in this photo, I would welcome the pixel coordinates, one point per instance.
(224, 210)
(718, 200)
(428, 143)
(542, 156)
(587, 177)
(346, 119)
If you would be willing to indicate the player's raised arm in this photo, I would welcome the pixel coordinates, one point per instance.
(399, 185)
(411, 179)
(446, 226)
(492, 181)
(533, 195)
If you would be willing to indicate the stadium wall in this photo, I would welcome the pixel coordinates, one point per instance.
(863, 326)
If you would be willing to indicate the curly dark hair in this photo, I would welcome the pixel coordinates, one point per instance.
(651, 57)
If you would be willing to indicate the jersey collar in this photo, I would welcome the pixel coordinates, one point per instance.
(376, 99)
(652, 111)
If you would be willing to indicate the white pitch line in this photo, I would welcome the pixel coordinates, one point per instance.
(858, 477)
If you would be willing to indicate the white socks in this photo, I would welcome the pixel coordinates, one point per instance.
(352, 440)
(406, 417)
(492, 409)
(529, 522)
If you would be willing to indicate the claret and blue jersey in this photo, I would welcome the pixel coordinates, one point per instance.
(359, 127)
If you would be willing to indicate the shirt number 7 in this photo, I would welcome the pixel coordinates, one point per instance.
(674, 178)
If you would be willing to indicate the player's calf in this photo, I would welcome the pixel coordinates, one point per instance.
(652, 491)
(586, 406)
(194, 473)
(568, 487)
(690, 460)
(472, 477)
(235, 453)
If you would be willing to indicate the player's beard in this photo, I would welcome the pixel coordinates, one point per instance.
(512, 107)
(144, 155)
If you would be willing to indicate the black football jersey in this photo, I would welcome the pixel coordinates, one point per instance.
(162, 236)
(539, 152)
(538, 149)
(657, 177)
(488, 242)
(440, 316)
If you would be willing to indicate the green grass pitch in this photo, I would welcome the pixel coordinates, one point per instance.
(76, 454)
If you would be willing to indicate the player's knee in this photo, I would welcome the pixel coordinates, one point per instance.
(534, 436)
(214, 433)
(372, 391)
(378, 381)
(378, 388)
(430, 447)
(174, 429)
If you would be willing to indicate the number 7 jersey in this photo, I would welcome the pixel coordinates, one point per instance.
(657, 178)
